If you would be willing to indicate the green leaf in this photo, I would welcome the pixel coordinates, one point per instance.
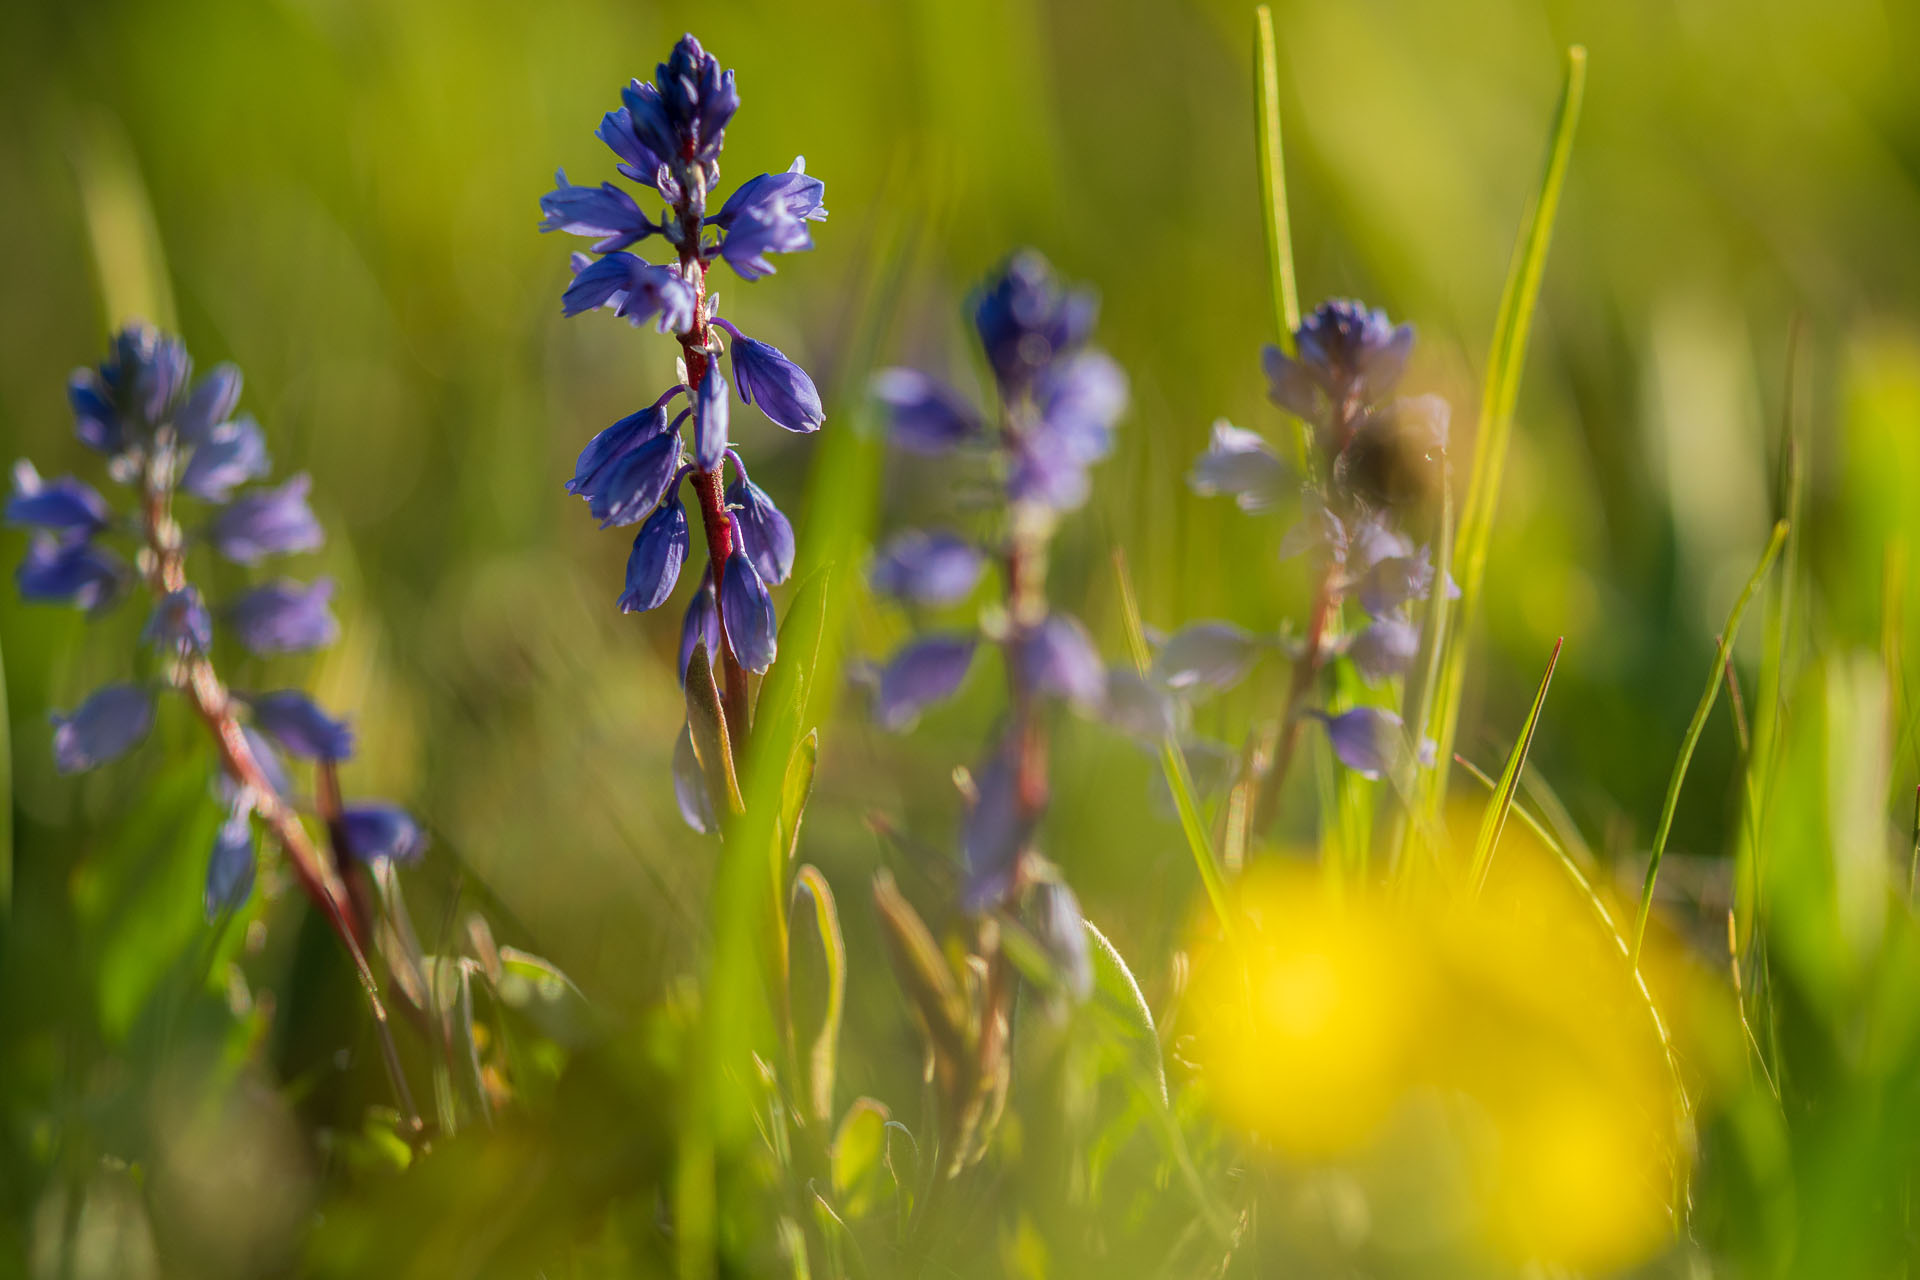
(535, 986)
(1114, 982)
(934, 995)
(859, 1157)
(795, 790)
(712, 744)
(1494, 820)
(823, 1055)
(1273, 197)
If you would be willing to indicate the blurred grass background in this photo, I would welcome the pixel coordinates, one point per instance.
(346, 192)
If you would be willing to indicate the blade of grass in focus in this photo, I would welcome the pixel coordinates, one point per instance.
(1494, 820)
(1694, 729)
(1518, 298)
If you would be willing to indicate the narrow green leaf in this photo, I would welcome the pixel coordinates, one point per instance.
(858, 1157)
(1113, 979)
(936, 998)
(712, 745)
(1494, 820)
(1699, 723)
(1507, 357)
(823, 1055)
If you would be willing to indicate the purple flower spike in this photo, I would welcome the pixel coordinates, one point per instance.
(764, 530)
(928, 568)
(1366, 739)
(604, 211)
(1394, 580)
(926, 415)
(635, 289)
(996, 830)
(179, 624)
(375, 832)
(701, 625)
(659, 550)
(1385, 649)
(780, 387)
(710, 415)
(267, 522)
(104, 727)
(1026, 320)
(228, 456)
(690, 785)
(1080, 398)
(1058, 657)
(69, 507)
(230, 869)
(96, 422)
(80, 573)
(1239, 464)
(284, 617)
(925, 672)
(622, 437)
(209, 405)
(792, 194)
(1207, 656)
(630, 486)
(293, 720)
(752, 630)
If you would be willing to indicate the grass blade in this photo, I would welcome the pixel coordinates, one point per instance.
(1514, 321)
(1273, 178)
(1700, 713)
(823, 1055)
(1494, 820)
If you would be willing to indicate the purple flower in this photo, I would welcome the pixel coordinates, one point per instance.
(1026, 320)
(925, 415)
(96, 421)
(605, 211)
(293, 720)
(700, 625)
(635, 289)
(179, 624)
(1239, 463)
(928, 568)
(684, 114)
(152, 369)
(622, 437)
(791, 194)
(78, 572)
(1080, 397)
(925, 672)
(228, 456)
(209, 404)
(659, 550)
(752, 631)
(267, 522)
(1207, 656)
(1057, 657)
(780, 387)
(757, 231)
(230, 869)
(764, 531)
(690, 785)
(104, 727)
(1385, 648)
(631, 485)
(638, 161)
(1063, 933)
(710, 414)
(373, 831)
(995, 832)
(69, 507)
(1393, 580)
(284, 617)
(1366, 739)
(1319, 529)
(272, 768)
(1046, 477)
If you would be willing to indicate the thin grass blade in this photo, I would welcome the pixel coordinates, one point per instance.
(1494, 820)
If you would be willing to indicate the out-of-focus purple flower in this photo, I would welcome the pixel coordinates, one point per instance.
(605, 211)
(1205, 656)
(793, 194)
(373, 831)
(69, 507)
(1063, 933)
(1239, 464)
(154, 369)
(1026, 320)
(179, 624)
(227, 457)
(209, 404)
(1348, 352)
(292, 719)
(1080, 397)
(1058, 657)
(1394, 580)
(230, 869)
(1138, 707)
(752, 630)
(925, 415)
(96, 419)
(267, 522)
(622, 437)
(925, 672)
(764, 530)
(710, 418)
(631, 485)
(780, 387)
(759, 230)
(1385, 648)
(700, 625)
(272, 768)
(653, 567)
(1366, 739)
(995, 832)
(104, 727)
(79, 572)
(927, 568)
(690, 785)
(285, 617)
(1046, 477)
(635, 289)
(1319, 529)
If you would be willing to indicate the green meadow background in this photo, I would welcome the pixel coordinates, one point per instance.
(344, 194)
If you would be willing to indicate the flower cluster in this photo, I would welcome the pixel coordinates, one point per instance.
(1059, 400)
(667, 136)
(1370, 457)
(168, 438)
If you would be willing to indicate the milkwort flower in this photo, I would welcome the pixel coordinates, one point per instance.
(667, 135)
(1372, 460)
(169, 438)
